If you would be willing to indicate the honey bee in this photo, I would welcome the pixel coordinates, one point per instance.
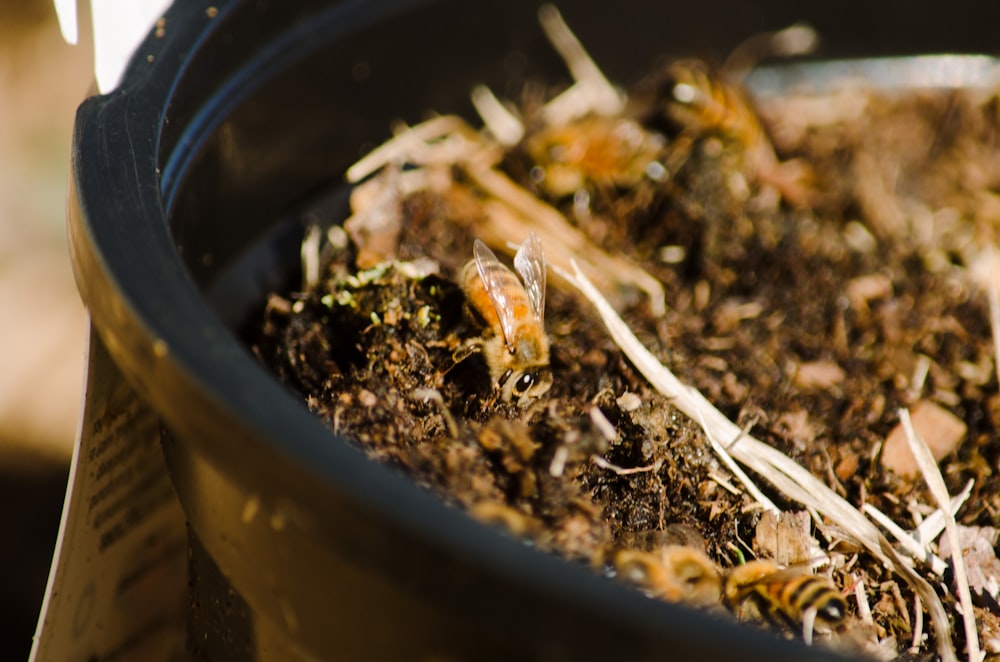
(606, 151)
(676, 573)
(704, 101)
(507, 517)
(788, 597)
(515, 345)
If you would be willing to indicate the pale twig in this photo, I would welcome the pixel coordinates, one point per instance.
(935, 483)
(919, 378)
(724, 483)
(796, 39)
(741, 475)
(600, 94)
(933, 524)
(861, 596)
(499, 121)
(623, 471)
(570, 104)
(993, 293)
(910, 545)
(793, 480)
(309, 254)
(603, 425)
(558, 463)
(918, 624)
(406, 143)
(897, 597)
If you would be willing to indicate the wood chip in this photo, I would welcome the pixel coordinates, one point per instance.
(942, 430)
(785, 537)
(863, 289)
(819, 375)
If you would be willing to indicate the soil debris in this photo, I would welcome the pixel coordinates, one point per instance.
(815, 254)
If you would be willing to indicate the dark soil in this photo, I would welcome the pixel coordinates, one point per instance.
(808, 307)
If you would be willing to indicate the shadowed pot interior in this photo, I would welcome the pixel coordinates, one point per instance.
(234, 116)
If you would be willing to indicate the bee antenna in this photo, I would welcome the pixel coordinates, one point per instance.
(504, 377)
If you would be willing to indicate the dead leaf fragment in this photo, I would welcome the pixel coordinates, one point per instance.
(942, 430)
(378, 219)
(981, 561)
(785, 537)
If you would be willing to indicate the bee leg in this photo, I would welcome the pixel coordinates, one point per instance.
(808, 620)
(794, 180)
(466, 349)
(678, 153)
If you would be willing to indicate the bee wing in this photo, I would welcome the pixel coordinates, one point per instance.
(779, 576)
(530, 263)
(784, 575)
(494, 274)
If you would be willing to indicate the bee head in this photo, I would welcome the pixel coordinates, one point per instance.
(524, 386)
(832, 610)
(687, 83)
(685, 91)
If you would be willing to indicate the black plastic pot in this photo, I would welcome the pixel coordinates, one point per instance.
(183, 179)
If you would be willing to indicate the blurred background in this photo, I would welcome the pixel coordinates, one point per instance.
(42, 322)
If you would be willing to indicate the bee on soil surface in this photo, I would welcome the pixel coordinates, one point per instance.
(515, 345)
(704, 101)
(607, 151)
(675, 573)
(507, 517)
(791, 597)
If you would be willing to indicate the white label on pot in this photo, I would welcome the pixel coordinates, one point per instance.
(117, 585)
(119, 27)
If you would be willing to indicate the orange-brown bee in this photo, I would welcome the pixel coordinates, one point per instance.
(506, 517)
(607, 151)
(675, 573)
(515, 345)
(704, 101)
(790, 597)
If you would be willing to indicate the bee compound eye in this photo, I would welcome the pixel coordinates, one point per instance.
(833, 611)
(525, 381)
(685, 93)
